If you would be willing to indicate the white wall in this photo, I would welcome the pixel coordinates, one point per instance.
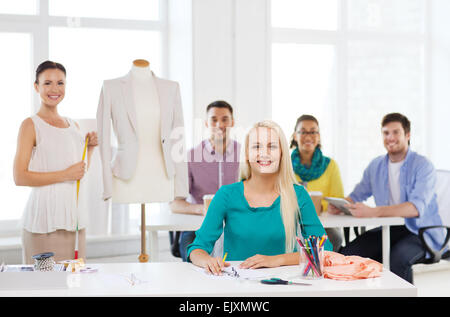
(440, 85)
(180, 60)
(213, 47)
(252, 62)
(228, 51)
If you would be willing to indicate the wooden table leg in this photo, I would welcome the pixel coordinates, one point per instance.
(143, 257)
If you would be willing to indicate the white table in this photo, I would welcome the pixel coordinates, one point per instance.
(165, 220)
(181, 279)
(340, 221)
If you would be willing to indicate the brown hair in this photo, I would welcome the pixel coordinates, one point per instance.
(48, 65)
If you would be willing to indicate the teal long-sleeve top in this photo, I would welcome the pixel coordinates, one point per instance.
(251, 230)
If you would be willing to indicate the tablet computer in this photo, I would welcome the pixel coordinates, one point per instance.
(339, 203)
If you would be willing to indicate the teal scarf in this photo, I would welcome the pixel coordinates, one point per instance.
(319, 164)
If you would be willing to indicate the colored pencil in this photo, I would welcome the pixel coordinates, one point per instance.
(311, 248)
(308, 256)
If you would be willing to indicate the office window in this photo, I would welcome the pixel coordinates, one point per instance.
(386, 15)
(357, 61)
(305, 14)
(303, 82)
(94, 63)
(109, 9)
(26, 7)
(16, 86)
(382, 78)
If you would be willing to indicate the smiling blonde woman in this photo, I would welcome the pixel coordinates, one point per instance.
(260, 215)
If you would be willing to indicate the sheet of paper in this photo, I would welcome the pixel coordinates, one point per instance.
(251, 274)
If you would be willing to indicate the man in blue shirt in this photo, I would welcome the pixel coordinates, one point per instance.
(402, 183)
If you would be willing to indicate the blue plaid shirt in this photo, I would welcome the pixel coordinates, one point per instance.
(417, 186)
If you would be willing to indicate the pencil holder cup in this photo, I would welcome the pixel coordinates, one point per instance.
(311, 262)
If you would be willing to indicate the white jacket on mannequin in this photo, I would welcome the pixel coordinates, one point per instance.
(116, 105)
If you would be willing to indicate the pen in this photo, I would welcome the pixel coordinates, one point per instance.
(224, 257)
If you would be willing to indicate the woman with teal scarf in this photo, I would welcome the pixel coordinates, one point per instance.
(319, 164)
(314, 170)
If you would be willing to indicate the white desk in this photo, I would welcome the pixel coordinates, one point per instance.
(180, 279)
(166, 220)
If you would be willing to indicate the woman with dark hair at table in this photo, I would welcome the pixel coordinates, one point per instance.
(314, 170)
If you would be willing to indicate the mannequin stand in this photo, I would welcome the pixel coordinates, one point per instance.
(143, 257)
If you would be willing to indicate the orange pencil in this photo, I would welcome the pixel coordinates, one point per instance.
(322, 241)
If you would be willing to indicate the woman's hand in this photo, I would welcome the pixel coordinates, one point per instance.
(75, 172)
(215, 265)
(93, 139)
(212, 265)
(259, 260)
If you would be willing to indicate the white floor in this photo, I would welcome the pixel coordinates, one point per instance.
(432, 282)
(429, 280)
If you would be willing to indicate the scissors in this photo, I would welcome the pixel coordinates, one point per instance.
(276, 280)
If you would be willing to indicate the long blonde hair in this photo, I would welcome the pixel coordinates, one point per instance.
(285, 185)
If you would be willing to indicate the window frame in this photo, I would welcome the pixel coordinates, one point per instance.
(340, 38)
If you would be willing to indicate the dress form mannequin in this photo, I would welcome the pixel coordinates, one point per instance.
(132, 107)
(150, 182)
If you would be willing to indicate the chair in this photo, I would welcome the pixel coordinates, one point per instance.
(174, 239)
(443, 200)
(355, 230)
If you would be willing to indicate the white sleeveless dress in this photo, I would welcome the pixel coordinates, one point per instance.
(54, 207)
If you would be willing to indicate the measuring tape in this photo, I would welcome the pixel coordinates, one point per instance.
(78, 191)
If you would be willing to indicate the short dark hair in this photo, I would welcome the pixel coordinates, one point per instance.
(305, 117)
(220, 104)
(48, 65)
(397, 117)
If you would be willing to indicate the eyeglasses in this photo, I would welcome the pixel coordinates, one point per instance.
(303, 133)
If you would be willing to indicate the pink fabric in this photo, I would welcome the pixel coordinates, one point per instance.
(346, 268)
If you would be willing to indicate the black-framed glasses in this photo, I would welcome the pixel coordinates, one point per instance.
(313, 133)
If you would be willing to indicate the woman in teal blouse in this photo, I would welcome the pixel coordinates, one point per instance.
(261, 215)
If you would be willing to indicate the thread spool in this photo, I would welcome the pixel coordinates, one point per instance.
(73, 266)
(44, 262)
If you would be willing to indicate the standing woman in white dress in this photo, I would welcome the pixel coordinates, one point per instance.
(49, 160)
